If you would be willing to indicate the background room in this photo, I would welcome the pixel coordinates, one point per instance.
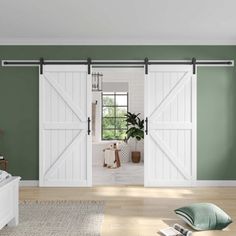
(121, 92)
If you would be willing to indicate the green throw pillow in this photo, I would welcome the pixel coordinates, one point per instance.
(204, 216)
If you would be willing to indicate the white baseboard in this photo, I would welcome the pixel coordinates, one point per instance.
(215, 183)
(29, 183)
(198, 183)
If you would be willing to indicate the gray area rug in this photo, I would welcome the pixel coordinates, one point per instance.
(58, 218)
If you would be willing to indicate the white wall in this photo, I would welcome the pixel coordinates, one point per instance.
(135, 78)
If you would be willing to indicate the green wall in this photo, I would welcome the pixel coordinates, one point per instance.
(216, 103)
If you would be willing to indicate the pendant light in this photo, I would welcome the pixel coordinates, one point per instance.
(97, 80)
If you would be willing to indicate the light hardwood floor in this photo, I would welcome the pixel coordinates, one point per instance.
(127, 174)
(139, 211)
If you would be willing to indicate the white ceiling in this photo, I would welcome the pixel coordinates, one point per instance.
(111, 22)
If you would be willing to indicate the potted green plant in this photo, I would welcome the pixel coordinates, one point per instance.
(136, 131)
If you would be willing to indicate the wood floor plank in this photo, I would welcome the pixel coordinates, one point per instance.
(139, 211)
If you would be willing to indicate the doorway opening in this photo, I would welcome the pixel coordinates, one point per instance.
(116, 160)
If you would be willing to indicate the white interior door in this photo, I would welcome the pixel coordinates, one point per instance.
(170, 145)
(65, 145)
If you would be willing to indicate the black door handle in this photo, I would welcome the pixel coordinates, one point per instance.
(146, 122)
(89, 121)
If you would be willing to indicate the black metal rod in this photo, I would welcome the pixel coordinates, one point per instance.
(65, 63)
(120, 63)
(21, 63)
(117, 63)
(170, 63)
(45, 63)
(214, 63)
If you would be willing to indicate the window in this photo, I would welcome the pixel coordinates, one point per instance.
(114, 109)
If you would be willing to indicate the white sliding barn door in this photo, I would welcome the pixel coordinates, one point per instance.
(65, 145)
(170, 106)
